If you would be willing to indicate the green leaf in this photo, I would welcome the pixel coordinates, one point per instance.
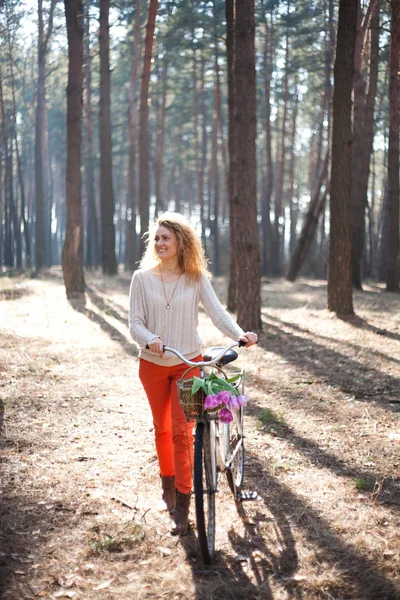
(197, 384)
(235, 378)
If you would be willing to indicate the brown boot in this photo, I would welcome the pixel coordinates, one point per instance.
(180, 516)
(168, 495)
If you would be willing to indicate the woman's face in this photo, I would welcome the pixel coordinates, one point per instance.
(165, 243)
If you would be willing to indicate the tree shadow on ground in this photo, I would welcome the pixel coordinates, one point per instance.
(383, 490)
(266, 552)
(9, 294)
(347, 343)
(365, 383)
(25, 521)
(80, 305)
(361, 323)
(109, 307)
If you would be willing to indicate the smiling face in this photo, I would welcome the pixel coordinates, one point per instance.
(165, 243)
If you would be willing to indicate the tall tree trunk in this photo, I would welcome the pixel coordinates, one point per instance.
(144, 177)
(315, 209)
(92, 231)
(245, 200)
(393, 268)
(278, 227)
(362, 137)
(203, 148)
(72, 249)
(230, 53)
(292, 201)
(43, 41)
(109, 261)
(131, 202)
(160, 138)
(24, 220)
(8, 253)
(267, 238)
(340, 299)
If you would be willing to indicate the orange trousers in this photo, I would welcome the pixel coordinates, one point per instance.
(173, 434)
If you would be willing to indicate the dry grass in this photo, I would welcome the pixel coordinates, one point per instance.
(79, 475)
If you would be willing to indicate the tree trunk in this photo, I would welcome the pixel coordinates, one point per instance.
(278, 226)
(92, 231)
(244, 161)
(109, 261)
(24, 221)
(230, 52)
(72, 249)
(131, 201)
(315, 209)
(8, 252)
(292, 202)
(161, 203)
(362, 138)
(144, 177)
(340, 297)
(392, 276)
(43, 40)
(267, 238)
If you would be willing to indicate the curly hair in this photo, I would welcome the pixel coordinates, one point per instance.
(191, 257)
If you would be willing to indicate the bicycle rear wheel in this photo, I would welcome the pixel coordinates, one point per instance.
(235, 457)
(205, 486)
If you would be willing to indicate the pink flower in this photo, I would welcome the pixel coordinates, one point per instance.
(225, 415)
(233, 403)
(242, 400)
(224, 396)
(211, 401)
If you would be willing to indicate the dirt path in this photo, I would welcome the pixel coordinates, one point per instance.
(80, 480)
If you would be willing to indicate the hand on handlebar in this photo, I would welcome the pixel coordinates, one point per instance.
(249, 338)
(156, 346)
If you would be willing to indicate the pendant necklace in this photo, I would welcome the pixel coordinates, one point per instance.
(168, 305)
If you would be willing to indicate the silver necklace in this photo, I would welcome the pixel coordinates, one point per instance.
(168, 302)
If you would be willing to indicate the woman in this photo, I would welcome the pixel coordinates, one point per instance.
(164, 298)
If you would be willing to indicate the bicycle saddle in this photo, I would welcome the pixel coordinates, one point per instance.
(211, 353)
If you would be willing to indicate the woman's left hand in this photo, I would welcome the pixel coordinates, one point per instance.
(249, 338)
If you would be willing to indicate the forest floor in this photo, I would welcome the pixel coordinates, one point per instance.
(79, 473)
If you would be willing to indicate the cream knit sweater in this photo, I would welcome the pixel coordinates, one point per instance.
(177, 327)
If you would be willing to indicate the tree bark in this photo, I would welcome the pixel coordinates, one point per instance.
(92, 232)
(109, 261)
(161, 203)
(277, 253)
(245, 199)
(131, 201)
(315, 209)
(144, 177)
(72, 249)
(340, 299)
(24, 221)
(230, 52)
(43, 41)
(267, 238)
(392, 276)
(363, 137)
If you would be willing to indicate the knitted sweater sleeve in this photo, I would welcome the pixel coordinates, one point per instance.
(218, 315)
(137, 312)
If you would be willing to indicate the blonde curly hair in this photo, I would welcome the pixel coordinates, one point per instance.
(191, 257)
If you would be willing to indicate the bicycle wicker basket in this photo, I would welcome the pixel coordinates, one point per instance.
(192, 404)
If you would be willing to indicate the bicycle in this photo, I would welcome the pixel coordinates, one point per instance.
(218, 447)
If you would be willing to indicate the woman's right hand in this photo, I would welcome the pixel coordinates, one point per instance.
(156, 346)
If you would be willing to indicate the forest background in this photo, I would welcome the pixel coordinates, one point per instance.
(179, 72)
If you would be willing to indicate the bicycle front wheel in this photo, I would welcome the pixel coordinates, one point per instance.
(235, 455)
(205, 486)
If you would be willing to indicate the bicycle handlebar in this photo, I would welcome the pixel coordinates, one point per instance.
(203, 363)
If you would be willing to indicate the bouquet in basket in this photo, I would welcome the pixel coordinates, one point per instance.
(220, 395)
